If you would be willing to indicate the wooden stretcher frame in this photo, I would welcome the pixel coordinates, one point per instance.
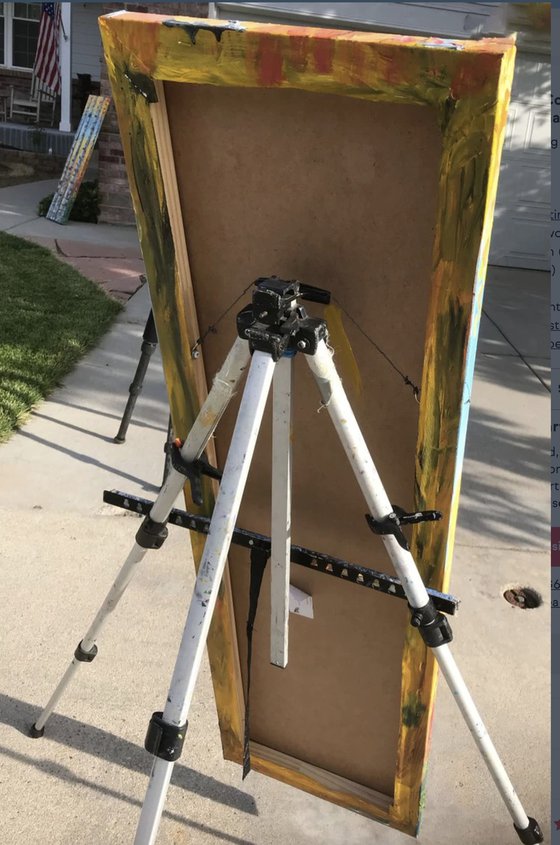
(469, 84)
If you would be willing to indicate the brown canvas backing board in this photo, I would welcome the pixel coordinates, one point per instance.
(339, 193)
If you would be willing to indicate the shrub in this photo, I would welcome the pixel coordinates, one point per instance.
(86, 205)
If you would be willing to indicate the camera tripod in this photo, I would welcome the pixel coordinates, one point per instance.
(149, 345)
(271, 331)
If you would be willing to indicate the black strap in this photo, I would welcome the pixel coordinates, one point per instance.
(259, 559)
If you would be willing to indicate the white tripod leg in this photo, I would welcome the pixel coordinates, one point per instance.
(205, 593)
(281, 512)
(340, 411)
(215, 404)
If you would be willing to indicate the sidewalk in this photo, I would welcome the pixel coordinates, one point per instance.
(109, 255)
(85, 780)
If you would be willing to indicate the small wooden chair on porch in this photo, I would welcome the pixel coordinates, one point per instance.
(30, 106)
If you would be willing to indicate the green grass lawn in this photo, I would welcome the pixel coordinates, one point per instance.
(49, 316)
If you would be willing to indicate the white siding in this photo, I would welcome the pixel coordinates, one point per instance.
(86, 40)
(455, 20)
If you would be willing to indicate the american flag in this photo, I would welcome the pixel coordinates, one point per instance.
(47, 65)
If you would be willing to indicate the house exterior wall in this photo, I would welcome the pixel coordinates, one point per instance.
(10, 77)
(86, 53)
(458, 20)
(86, 39)
(20, 80)
(443, 19)
(116, 203)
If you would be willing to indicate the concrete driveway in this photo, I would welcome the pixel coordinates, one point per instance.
(85, 780)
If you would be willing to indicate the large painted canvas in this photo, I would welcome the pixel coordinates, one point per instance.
(366, 164)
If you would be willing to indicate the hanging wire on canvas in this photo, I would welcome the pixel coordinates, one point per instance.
(211, 329)
(407, 381)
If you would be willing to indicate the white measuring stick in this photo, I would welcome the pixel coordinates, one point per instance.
(280, 533)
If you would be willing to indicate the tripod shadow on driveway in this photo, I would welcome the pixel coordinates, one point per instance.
(88, 459)
(81, 737)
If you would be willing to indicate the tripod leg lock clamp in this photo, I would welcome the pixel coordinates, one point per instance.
(530, 835)
(85, 656)
(433, 626)
(164, 739)
(151, 535)
(193, 470)
(391, 524)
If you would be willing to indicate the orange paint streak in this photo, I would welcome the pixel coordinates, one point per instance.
(270, 61)
(392, 71)
(323, 54)
(473, 74)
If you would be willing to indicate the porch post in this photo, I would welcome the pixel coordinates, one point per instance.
(65, 53)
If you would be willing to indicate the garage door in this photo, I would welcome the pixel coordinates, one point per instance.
(521, 234)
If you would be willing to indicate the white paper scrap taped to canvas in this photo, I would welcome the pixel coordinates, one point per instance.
(300, 602)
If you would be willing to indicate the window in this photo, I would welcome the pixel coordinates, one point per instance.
(19, 31)
(25, 32)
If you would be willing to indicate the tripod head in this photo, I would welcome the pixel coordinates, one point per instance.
(276, 323)
(275, 299)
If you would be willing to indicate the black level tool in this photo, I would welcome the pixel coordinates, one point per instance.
(329, 565)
